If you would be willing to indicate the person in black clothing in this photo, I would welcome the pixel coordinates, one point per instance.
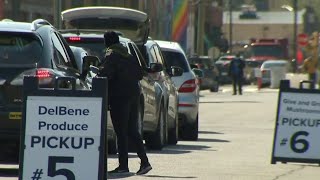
(123, 72)
(236, 72)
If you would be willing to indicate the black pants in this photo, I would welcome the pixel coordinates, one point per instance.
(124, 116)
(237, 81)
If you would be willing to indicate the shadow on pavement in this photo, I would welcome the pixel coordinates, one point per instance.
(118, 176)
(209, 132)
(172, 177)
(217, 102)
(211, 140)
(9, 172)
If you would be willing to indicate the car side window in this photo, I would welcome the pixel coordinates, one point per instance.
(158, 54)
(152, 55)
(60, 56)
(135, 52)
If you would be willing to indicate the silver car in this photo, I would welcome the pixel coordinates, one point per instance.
(188, 89)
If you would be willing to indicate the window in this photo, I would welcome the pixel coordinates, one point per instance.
(60, 56)
(19, 48)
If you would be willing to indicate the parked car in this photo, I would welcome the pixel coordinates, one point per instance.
(250, 70)
(223, 64)
(210, 79)
(152, 54)
(37, 49)
(188, 88)
(84, 27)
(268, 65)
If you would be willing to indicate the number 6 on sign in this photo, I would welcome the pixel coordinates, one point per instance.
(297, 127)
(295, 141)
(52, 171)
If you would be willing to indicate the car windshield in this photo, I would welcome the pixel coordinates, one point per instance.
(19, 48)
(270, 50)
(175, 59)
(94, 48)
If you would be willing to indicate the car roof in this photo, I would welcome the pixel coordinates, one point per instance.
(275, 62)
(16, 26)
(169, 45)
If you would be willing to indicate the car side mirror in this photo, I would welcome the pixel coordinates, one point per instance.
(89, 60)
(155, 67)
(198, 72)
(176, 71)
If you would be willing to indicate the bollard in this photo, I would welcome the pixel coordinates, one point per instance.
(259, 82)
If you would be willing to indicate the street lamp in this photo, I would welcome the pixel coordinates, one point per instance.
(230, 26)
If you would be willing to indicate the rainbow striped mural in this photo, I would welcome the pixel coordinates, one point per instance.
(180, 22)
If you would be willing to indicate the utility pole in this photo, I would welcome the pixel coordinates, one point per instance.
(200, 28)
(230, 26)
(295, 9)
(57, 20)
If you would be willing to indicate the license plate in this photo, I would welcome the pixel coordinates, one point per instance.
(15, 115)
(224, 73)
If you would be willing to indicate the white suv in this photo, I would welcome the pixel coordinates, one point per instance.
(188, 88)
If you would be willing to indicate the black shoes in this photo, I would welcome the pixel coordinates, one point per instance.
(144, 169)
(119, 170)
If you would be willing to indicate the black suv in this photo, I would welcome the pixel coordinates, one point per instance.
(35, 48)
(84, 27)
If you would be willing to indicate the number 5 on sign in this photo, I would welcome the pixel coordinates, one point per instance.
(52, 164)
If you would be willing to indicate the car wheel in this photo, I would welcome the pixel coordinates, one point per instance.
(215, 88)
(156, 140)
(173, 132)
(190, 132)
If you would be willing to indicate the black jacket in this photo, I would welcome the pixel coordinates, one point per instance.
(236, 67)
(122, 70)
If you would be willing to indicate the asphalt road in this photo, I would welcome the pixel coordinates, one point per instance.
(235, 143)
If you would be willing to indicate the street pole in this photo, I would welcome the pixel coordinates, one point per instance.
(295, 8)
(230, 26)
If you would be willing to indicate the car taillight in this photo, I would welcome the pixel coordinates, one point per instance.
(74, 38)
(188, 86)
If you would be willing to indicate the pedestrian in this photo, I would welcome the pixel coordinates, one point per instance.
(236, 73)
(310, 66)
(123, 72)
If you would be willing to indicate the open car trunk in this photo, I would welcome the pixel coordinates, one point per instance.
(129, 23)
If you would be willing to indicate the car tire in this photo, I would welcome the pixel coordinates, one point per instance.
(156, 140)
(191, 131)
(173, 132)
(215, 88)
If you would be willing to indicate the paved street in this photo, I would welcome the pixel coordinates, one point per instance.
(235, 143)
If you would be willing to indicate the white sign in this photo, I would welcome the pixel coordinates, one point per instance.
(298, 126)
(62, 138)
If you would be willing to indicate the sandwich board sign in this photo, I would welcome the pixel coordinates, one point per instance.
(297, 129)
(63, 132)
